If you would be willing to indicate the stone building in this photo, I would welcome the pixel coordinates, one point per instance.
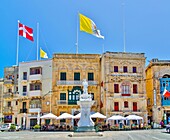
(157, 79)
(123, 84)
(10, 94)
(35, 81)
(69, 70)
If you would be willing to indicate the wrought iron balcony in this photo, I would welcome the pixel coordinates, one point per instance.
(77, 83)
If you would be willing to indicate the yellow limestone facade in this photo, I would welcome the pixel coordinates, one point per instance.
(157, 79)
(123, 77)
(69, 70)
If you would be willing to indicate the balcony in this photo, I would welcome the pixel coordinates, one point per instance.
(8, 81)
(34, 93)
(8, 95)
(65, 102)
(7, 110)
(35, 77)
(75, 83)
(129, 74)
(119, 95)
(23, 110)
(33, 110)
(127, 111)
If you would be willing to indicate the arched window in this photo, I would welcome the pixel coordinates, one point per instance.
(126, 104)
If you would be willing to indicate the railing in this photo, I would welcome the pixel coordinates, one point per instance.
(7, 109)
(132, 95)
(79, 83)
(8, 81)
(8, 95)
(74, 102)
(23, 110)
(138, 110)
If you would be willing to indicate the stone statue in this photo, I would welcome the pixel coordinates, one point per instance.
(85, 86)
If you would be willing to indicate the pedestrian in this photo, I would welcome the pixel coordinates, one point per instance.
(162, 124)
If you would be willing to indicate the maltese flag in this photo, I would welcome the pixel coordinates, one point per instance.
(166, 93)
(26, 32)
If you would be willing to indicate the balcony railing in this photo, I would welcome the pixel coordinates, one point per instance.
(31, 110)
(73, 102)
(23, 110)
(8, 81)
(8, 95)
(138, 110)
(34, 93)
(132, 95)
(78, 83)
(7, 109)
(35, 77)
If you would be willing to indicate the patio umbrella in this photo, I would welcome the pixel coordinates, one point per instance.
(116, 117)
(65, 116)
(49, 116)
(134, 117)
(98, 115)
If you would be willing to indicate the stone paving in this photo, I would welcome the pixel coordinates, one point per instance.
(155, 134)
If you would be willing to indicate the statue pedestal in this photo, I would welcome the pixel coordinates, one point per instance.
(85, 123)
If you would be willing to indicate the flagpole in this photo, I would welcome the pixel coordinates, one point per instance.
(77, 35)
(17, 44)
(124, 30)
(37, 39)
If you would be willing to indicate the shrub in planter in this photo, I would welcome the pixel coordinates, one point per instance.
(37, 126)
(12, 127)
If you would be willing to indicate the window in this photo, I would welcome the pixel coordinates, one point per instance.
(116, 69)
(134, 70)
(148, 101)
(24, 75)
(135, 88)
(125, 89)
(134, 106)
(36, 86)
(63, 76)
(16, 103)
(116, 88)
(9, 104)
(35, 71)
(9, 90)
(76, 76)
(126, 104)
(24, 88)
(116, 106)
(125, 69)
(90, 76)
(62, 96)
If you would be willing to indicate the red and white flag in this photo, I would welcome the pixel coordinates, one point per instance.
(166, 93)
(26, 31)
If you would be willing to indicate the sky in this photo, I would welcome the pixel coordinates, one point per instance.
(147, 28)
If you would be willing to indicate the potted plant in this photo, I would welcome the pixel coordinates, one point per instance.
(37, 127)
(12, 127)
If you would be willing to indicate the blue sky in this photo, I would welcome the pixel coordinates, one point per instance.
(147, 24)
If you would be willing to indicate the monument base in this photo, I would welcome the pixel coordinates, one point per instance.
(85, 129)
(85, 134)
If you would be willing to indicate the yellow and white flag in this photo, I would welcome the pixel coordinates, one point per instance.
(43, 54)
(88, 26)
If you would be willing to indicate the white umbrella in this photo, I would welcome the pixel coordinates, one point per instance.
(98, 115)
(134, 117)
(65, 116)
(116, 117)
(49, 116)
(77, 116)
